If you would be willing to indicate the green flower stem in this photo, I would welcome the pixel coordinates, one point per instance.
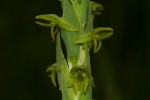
(75, 13)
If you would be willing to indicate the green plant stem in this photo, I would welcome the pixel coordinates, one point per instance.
(76, 55)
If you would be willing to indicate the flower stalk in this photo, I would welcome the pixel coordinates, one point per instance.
(75, 30)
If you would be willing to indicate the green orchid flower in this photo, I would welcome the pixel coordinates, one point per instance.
(53, 73)
(96, 8)
(96, 35)
(52, 20)
(80, 78)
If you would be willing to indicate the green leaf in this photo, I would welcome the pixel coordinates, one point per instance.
(102, 33)
(53, 32)
(61, 64)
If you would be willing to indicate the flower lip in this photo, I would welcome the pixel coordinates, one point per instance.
(79, 73)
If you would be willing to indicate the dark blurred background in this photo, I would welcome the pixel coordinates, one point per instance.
(120, 69)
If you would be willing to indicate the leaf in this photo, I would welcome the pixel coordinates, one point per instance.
(61, 64)
(102, 33)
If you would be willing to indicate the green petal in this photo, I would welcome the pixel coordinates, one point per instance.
(86, 83)
(102, 33)
(95, 44)
(98, 47)
(51, 68)
(43, 24)
(80, 84)
(53, 75)
(52, 31)
(75, 85)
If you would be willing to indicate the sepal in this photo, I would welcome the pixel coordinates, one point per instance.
(53, 73)
(101, 33)
(96, 8)
(52, 20)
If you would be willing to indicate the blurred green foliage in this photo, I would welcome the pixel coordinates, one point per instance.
(120, 69)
